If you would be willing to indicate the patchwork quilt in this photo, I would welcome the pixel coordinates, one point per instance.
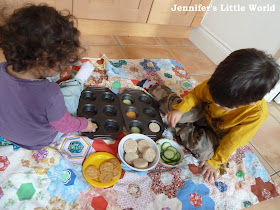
(51, 178)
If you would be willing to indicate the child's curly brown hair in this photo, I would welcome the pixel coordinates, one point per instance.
(39, 36)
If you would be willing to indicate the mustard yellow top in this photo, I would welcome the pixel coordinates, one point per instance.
(236, 127)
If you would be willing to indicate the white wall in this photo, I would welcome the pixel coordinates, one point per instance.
(222, 32)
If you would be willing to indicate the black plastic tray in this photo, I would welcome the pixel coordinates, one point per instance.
(102, 107)
(146, 109)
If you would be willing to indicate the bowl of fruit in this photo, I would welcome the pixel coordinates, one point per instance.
(171, 153)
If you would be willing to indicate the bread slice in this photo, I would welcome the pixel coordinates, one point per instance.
(140, 163)
(149, 154)
(130, 157)
(143, 145)
(130, 145)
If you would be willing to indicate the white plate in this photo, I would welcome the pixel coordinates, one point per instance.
(138, 137)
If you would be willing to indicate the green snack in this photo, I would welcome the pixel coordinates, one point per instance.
(135, 130)
(126, 101)
(116, 85)
(169, 154)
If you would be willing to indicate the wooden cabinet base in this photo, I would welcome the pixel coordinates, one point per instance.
(99, 27)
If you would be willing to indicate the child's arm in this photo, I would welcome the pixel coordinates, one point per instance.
(189, 101)
(195, 97)
(171, 118)
(238, 137)
(59, 117)
(69, 124)
(208, 171)
(91, 127)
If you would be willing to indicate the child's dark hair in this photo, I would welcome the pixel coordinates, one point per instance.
(39, 35)
(244, 77)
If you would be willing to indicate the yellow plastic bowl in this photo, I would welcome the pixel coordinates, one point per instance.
(96, 159)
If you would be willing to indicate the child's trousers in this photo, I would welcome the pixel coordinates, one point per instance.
(193, 129)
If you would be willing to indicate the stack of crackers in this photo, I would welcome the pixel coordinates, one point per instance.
(108, 170)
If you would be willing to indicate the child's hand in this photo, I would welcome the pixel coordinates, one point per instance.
(208, 171)
(91, 127)
(173, 117)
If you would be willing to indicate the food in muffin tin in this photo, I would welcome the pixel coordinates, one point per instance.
(135, 129)
(127, 101)
(95, 125)
(131, 114)
(154, 127)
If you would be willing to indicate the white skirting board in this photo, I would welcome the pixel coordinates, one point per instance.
(277, 99)
(216, 50)
(211, 45)
(273, 93)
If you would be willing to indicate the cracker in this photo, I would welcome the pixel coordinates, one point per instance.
(105, 177)
(116, 172)
(106, 167)
(92, 172)
(115, 162)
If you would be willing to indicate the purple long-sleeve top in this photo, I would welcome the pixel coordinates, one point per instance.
(33, 111)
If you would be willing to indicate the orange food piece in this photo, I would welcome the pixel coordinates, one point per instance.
(131, 114)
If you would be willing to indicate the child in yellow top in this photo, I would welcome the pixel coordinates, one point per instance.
(232, 102)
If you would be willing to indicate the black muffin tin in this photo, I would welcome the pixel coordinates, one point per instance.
(146, 109)
(102, 107)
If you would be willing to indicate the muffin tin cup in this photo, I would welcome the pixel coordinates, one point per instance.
(101, 106)
(146, 110)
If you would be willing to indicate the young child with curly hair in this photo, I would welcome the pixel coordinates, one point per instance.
(37, 42)
(223, 113)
